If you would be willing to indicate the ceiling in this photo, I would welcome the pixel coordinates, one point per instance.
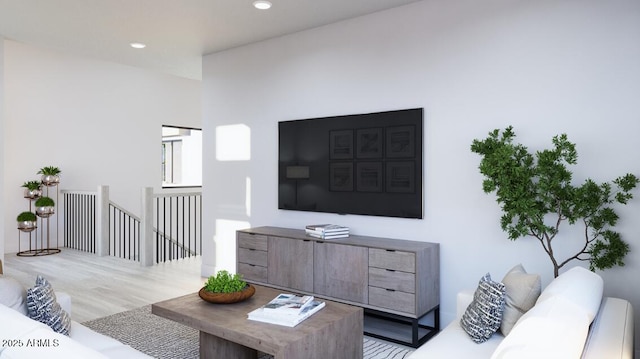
(177, 32)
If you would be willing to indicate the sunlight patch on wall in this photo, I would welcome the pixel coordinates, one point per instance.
(225, 243)
(233, 143)
(248, 196)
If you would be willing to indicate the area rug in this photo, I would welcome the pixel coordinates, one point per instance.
(165, 339)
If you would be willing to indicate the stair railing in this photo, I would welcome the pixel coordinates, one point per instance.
(169, 228)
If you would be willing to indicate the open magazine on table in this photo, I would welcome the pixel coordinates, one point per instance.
(287, 309)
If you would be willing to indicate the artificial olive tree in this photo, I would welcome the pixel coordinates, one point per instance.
(536, 194)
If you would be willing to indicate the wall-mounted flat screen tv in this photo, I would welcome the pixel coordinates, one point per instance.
(367, 164)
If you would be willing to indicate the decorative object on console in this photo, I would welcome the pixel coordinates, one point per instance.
(225, 288)
(327, 231)
(537, 196)
(483, 316)
(43, 307)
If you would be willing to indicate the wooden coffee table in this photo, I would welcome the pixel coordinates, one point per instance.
(225, 332)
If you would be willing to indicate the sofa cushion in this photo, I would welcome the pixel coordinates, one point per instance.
(453, 342)
(611, 333)
(555, 328)
(43, 307)
(579, 286)
(12, 294)
(482, 317)
(20, 325)
(44, 343)
(522, 291)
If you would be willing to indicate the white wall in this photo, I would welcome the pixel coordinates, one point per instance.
(545, 67)
(100, 122)
(2, 121)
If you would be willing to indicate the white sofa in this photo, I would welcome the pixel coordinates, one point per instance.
(23, 337)
(570, 319)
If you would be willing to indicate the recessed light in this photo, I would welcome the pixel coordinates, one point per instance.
(138, 45)
(262, 4)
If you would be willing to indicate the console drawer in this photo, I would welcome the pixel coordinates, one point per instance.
(252, 241)
(392, 299)
(252, 256)
(390, 279)
(253, 272)
(390, 259)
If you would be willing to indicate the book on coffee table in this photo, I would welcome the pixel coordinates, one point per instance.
(288, 304)
(285, 318)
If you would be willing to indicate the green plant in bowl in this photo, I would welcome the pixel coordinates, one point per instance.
(32, 185)
(27, 217)
(45, 202)
(225, 282)
(49, 171)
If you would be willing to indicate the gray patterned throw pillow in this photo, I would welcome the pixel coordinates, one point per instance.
(43, 307)
(483, 316)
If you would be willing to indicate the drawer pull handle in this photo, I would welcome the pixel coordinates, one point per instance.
(306, 240)
(252, 265)
(390, 250)
(390, 270)
(390, 290)
(252, 249)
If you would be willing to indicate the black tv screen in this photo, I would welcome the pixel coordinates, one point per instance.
(367, 164)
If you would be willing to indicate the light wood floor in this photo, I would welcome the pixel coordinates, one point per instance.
(101, 286)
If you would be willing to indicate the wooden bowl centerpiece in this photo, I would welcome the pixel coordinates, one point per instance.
(226, 288)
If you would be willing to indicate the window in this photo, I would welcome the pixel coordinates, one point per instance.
(181, 157)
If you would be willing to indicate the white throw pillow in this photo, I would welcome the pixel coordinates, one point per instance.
(13, 295)
(553, 329)
(579, 286)
(522, 291)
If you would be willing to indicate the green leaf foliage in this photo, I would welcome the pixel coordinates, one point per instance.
(32, 185)
(49, 171)
(225, 282)
(536, 194)
(45, 202)
(26, 216)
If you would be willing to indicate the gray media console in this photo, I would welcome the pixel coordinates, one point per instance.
(397, 282)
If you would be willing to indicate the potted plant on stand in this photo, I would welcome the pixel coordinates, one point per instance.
(224, 288)
(27, 221)
(45, 207)
(50, 175)
(32, 189)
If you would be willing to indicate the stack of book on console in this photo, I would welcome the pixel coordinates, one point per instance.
(287, 309)
(327, 231)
